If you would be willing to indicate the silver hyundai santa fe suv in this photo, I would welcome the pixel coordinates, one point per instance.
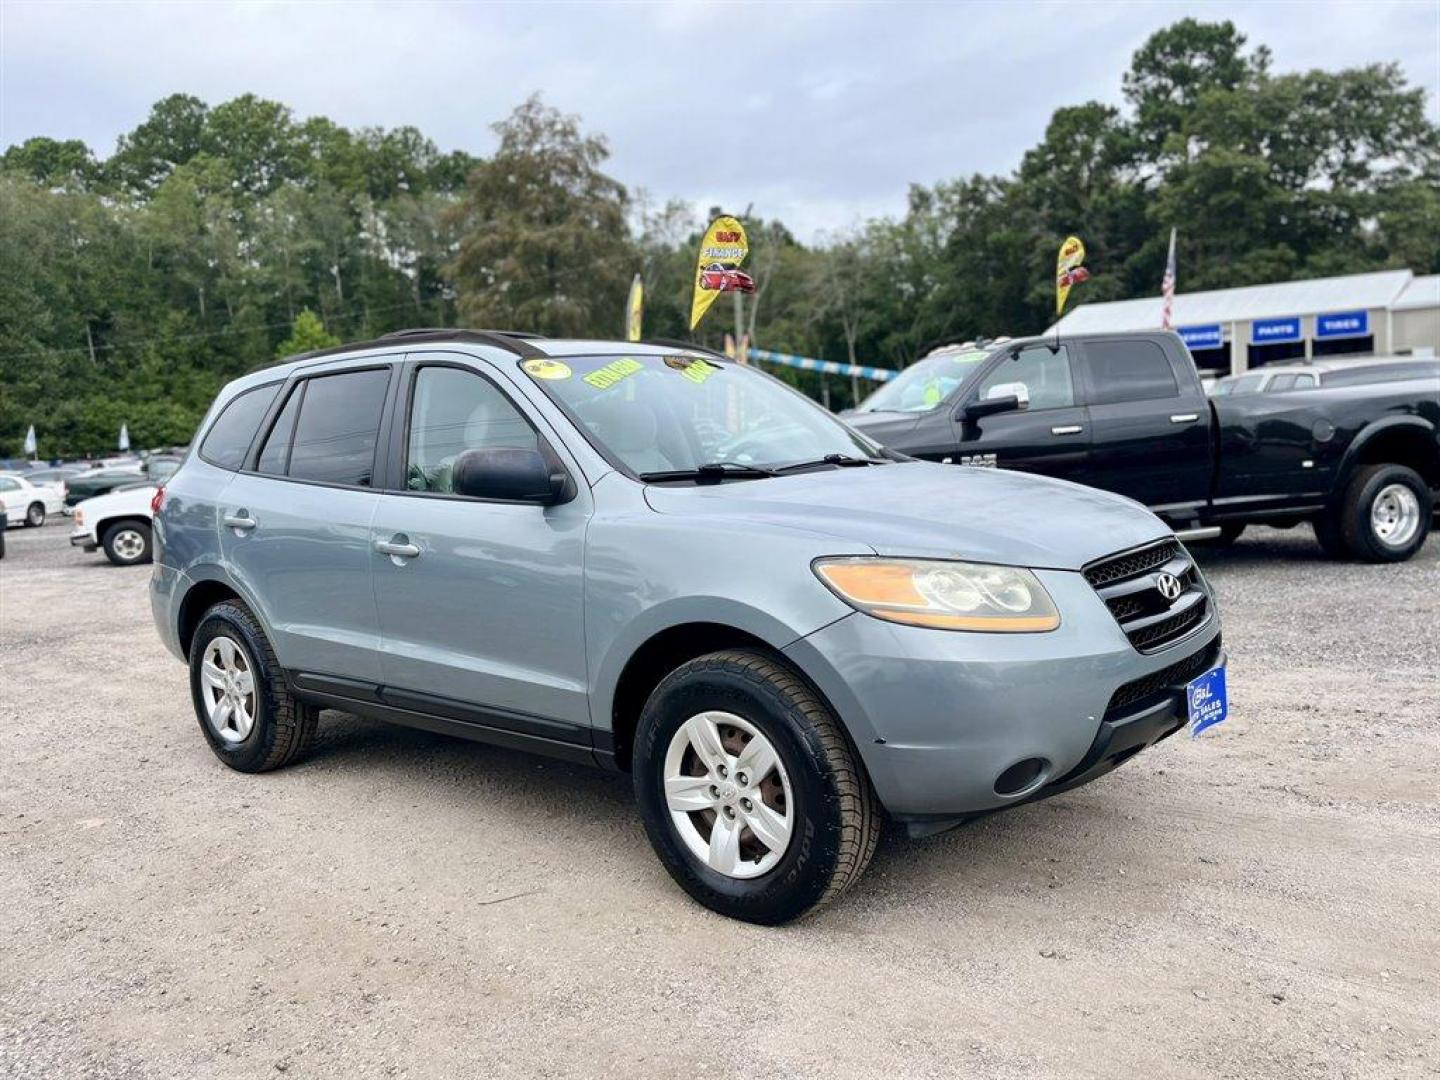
(653, 559)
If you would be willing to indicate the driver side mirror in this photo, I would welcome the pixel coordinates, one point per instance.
(1000, 398)
(512, 474)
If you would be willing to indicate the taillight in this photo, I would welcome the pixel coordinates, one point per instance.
(157, 500)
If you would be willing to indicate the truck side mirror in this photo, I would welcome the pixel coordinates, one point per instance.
(1013, 398)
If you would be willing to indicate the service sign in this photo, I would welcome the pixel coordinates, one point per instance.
(1269, 331)
(717, 270)
(1202, 337)
(1342, 324)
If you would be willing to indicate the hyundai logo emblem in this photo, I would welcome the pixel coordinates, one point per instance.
(1169, 586)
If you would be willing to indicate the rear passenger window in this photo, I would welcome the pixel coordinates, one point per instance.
(1129, 371)
(331, 424)
(452, 411)
(1279, 383)
(229, 437)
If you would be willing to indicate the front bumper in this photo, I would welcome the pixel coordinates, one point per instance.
(82, 539)
(939, 716)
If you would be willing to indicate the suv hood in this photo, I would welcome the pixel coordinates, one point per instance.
(924, 509)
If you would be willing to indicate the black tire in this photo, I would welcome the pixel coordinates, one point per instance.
(1357, 525)
(836, 817)
(128, 543)
(284, 728)
(35, 515)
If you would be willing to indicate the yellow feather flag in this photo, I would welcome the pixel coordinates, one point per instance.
(1068, 270)
(717, 270)
(634, 309)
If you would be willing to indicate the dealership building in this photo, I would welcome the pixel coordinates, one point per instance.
(1390, 312)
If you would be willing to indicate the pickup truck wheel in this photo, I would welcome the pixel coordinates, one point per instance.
(750, 791)
(1386, 513)
(246, 712)
(127, 543)
(35, 515)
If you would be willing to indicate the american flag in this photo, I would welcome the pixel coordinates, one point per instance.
(1167, 287)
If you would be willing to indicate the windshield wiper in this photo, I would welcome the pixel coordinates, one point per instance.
(843, 460)
(712, 472)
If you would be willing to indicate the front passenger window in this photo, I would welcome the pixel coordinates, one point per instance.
(452, 411)
(1044, 374)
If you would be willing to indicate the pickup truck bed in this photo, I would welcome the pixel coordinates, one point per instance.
(1127, 412)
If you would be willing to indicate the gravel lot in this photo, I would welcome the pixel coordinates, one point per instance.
(1264, 901)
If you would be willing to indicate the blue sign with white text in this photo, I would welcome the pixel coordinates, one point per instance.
(1202, 337)
(1342, 324)
(1206, 700)
(1268, 331)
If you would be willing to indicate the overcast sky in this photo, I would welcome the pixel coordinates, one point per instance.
(820, 113)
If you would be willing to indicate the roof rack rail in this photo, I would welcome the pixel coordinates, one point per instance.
(523, 335)
(514, 343)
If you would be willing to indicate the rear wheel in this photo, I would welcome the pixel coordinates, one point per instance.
(127, 543)
(35, 515)
(750, 792)
(246, 712)
(1385, 516)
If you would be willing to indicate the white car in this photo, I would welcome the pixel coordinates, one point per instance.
(119, 522)
(29, 504)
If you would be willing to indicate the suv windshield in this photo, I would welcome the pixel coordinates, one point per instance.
(662, 414)
(922, 386)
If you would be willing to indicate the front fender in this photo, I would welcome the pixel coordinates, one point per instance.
(668, 615)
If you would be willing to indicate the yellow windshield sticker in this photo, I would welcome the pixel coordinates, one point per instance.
(932, 393)
(613, 372)
(547, 369)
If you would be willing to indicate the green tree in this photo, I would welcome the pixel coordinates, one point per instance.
(306, 335)
(546, 244)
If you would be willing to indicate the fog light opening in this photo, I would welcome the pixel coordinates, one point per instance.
(1021, 777)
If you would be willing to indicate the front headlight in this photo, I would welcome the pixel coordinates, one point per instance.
(943, 594)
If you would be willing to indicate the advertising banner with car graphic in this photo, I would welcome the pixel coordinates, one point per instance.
(717, 270)
(1068, 270)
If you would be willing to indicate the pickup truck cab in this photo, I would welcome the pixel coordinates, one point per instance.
(1127, 413)
(660, 561)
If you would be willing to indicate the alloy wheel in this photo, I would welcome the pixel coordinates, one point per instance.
(728, 794)
(228, 688)
(1395, 515)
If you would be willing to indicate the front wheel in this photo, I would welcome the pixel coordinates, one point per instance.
(35, 515)
(749, 790)
(1385, 515)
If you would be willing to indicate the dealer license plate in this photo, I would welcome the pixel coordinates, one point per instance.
(1206, 700)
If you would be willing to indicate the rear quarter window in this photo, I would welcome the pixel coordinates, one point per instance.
(230, 436)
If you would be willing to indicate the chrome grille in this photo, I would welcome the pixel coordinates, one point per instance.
(1128, 583)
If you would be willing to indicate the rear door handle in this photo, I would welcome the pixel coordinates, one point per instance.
(240, 521)
(1184, 417)
(1067, 429)
(397, 548)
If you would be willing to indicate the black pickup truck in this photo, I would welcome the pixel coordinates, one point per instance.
(1126, 412)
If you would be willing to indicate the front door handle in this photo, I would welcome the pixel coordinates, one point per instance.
(1184, 417)
(397, 547)
(240, 521)
(1067, 429)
